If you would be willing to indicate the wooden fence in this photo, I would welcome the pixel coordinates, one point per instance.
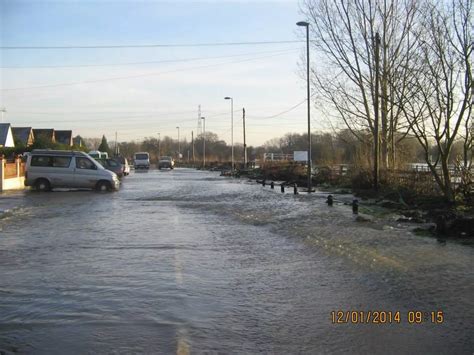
(11, 174)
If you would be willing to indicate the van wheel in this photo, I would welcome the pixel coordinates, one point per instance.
(103, 186)
(42, 185)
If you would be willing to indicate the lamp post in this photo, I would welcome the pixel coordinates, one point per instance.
(203, 142)
(179, 147)
(231, 128)
(306, 24)
(159, 145)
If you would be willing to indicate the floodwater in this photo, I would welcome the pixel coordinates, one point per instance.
(185, 261)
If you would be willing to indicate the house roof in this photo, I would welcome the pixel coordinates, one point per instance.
(22, 134)
(5, 135)
(47, 133)
(63, 137)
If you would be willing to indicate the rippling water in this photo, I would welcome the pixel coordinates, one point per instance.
(188, 262)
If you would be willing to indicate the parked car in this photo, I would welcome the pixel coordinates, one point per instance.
(112, 165)
(124, 162)
(141, 160)
(166, 162)
(47, 169)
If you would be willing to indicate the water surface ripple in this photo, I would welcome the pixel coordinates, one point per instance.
(188, 262)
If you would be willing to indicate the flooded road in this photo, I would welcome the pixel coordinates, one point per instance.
(185, 261)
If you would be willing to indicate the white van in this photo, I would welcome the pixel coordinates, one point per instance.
(141, 160)
(47, 169)
(96, 154)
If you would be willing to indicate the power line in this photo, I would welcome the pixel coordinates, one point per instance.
(283, 112)
(145, 63)
(210, 44)
(139, 75)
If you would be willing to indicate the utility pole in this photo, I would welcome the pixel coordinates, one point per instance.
(232, 132)
(308, 93)
(245, 145)
(376, 113)
(116, 146)
(192, 144)
(231, 129)
(204, 142)
(199, 126)
(179, 146)
(159, 145)
(3, 110)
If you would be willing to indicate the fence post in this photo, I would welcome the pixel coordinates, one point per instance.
(17, 164)
(2, 171)
(355, 207)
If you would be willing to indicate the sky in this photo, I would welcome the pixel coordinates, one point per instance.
(140, 68)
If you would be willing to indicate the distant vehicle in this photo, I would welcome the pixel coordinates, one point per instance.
(166, 162)
(112, 165)
(98, 154)
(141, 160)
(47, 169)
(124, 162)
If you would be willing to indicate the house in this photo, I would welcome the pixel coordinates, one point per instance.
(23, 135)
(6, 136)
(63, 137)
(77, 141)
(46, 135)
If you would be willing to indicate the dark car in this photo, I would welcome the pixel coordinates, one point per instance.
(166, 162)
(124, 162)
(112, 165)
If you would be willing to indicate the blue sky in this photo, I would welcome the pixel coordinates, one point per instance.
(97, 91)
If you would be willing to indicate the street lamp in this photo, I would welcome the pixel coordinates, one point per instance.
(159, 145)
(179, 147)
(306, 24)
(203, 142)
(231, 127)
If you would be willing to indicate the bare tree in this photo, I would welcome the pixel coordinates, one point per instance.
(440, 108)
(343, 35)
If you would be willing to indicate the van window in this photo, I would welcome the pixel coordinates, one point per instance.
(41, 160)
(141, 156)
(61, 162)
(84, 163)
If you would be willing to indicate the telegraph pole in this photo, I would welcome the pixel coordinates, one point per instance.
(245, 145)
(204, 142)
(199, 126)
(192, 144)
(376, 113)
(159, 145)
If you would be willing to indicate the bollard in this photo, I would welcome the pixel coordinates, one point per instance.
(295, 189)
(330, 201)
(441, 225)
(282, 188)
(272, 185)
(355, 206)
(263, 183)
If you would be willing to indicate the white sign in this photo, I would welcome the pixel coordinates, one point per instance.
(300, 155)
